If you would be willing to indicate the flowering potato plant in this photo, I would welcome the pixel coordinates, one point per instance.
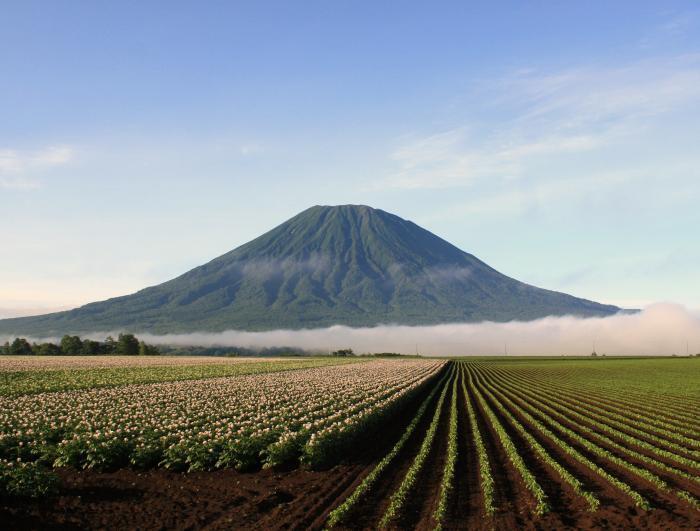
(243, 421)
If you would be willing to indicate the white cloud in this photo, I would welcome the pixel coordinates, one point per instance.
(18, 183)
(561, 114)
(661, 329)
(18, 167)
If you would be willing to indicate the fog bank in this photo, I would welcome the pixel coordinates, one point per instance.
(660, 329)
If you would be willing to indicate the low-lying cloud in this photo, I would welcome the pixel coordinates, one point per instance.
(660, 329)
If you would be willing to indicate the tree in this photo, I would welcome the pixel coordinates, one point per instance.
(127, 345)
(147, 350)
(344, 352)
(71, 345)
(109, 346)
(91, 348)
(5, 349)
(47, 349)
(20, 347)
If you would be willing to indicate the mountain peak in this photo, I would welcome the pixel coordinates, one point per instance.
(344, 264)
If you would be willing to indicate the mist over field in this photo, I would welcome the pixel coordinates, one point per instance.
(660, 329)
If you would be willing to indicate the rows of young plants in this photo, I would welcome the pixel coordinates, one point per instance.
(486, 480)
(43, 363)
(627, 461)
(528, 479)
(554, 413)
(244, 422)
(640, 426)
(566, 448)
(542, 454)
(605, 433)
(341, 513)
(628, 407)
(448, 472)
(401, 496)
(583, 444)
(24, 382)
(633, 383)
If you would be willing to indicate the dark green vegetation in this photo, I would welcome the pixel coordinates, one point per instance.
(350, 265)
(124, 345)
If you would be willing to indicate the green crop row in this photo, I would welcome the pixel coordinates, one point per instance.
(514, 457)
(485, 477)
(574, 411)
(660, 435)
(603, 452)
(558, 410)
(648, 403)
(543, 455)
(340, 513)
(398, 499)
(622, 486)
(637, 409)
(448, 473)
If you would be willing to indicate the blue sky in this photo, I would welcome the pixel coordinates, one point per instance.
(557, 142)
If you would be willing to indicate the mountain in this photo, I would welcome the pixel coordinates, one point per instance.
(351, 265)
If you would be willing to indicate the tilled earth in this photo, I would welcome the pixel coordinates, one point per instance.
(302, 499)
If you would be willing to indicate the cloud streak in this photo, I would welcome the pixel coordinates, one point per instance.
(562, 114)
(16, 165)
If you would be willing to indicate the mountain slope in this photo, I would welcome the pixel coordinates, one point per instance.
(351, 265)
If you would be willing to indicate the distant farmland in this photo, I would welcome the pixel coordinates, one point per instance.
(349, 443)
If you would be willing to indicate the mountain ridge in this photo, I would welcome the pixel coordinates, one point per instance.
(348, 264)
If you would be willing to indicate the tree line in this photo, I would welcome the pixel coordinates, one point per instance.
(124, 345)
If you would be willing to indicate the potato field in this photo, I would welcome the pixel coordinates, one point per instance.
(351, 443)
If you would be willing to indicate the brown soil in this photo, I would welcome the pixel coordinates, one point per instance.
(160, 499)
(302, 499)
(465, 507)
(618, 511)
(372, 510)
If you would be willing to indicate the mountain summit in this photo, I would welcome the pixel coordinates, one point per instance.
(350, 265)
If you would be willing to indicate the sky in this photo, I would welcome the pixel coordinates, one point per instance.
(556, 141)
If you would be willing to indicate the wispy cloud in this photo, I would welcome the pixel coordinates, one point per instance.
(18, 168)
(550, 114)
(674, 26)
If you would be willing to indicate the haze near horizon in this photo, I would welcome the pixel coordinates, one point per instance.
(571, 167)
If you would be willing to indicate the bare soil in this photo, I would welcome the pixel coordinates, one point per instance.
(302, 499)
